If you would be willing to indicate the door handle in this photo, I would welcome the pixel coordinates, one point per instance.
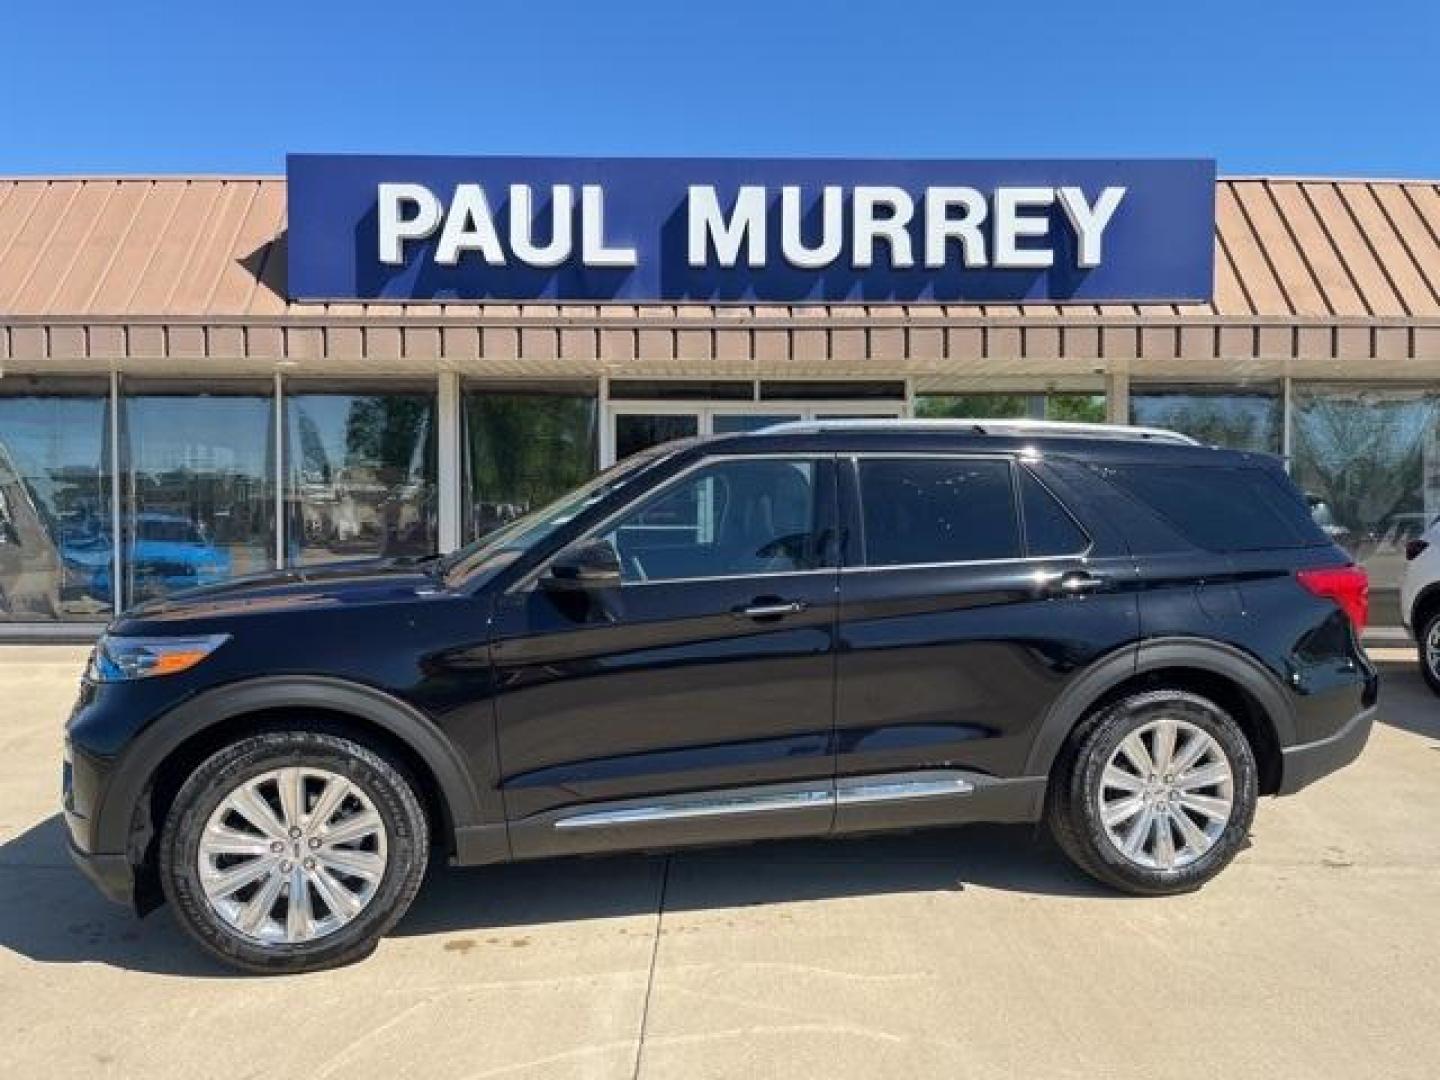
(1074, 583)
(768, 609)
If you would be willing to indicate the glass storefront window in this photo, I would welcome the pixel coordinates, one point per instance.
(197, 469)
(1368, 460)
(523, 449)
(56, 551)
(361, 471)
(1077, 407)
(1237, 417)
(198, 491)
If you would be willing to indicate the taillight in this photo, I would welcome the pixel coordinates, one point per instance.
(1348, 586)
(1415, 548)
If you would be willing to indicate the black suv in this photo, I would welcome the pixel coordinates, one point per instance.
(812, 630)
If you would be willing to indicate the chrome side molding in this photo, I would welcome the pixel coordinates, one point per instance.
(680, 807)
(850, 791)
(872, 789)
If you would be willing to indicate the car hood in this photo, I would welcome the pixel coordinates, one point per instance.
(367, 581)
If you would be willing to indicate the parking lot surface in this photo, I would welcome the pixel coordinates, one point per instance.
(955, 953)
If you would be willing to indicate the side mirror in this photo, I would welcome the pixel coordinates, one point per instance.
(591, 565)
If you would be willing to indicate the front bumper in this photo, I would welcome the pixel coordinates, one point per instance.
(1308, 762)
(111, 874)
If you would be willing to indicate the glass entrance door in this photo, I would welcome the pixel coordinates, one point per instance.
(638, 425)
(633, 430)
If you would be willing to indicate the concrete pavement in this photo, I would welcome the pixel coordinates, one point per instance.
(957, 953)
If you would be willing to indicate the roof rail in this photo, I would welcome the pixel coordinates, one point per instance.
(1059, 428)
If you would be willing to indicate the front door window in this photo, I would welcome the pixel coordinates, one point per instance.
(733, 518)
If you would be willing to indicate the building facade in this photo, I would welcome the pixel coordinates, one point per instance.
(171, 415)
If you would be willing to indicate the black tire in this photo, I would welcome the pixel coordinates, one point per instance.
(1073, 804)
(407, 839)
(1427, 669)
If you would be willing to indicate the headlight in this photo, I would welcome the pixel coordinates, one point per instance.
(117, 659)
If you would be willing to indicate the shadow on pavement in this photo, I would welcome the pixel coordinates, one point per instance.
(49, 913)
(1406, 702)
(1012, 858)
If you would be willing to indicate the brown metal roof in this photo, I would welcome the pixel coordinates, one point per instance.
(174, 267)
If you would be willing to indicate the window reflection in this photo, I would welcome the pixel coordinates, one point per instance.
(524, 450)
(56, 554)
(1368, 461)
(198, 498)
(361, 474)
(1240, 418)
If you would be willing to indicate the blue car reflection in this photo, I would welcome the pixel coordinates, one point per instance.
(167, 552)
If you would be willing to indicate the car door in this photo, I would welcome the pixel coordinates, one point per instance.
(693, 701)
(970, 598)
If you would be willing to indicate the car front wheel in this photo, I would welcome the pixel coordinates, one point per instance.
(1154, 794)
(292, 851)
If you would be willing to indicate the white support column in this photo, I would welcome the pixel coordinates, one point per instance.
(1287, 425)
(279, 471)
(1117, 397)
(116, 479)
(451, 474)
(607, 427)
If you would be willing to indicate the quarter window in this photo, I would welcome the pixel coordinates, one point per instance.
(1049, 528)
(726, 519)
(1223, 509)
(938, 510)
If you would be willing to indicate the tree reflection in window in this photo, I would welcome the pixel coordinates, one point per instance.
(1238, 419)
(362, 474)
(1369, 462)
(524, 450)
(1050, 405)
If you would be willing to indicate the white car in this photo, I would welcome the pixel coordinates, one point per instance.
(1420, 599)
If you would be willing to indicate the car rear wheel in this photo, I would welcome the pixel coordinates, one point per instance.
(293, 851)
(1430, 650)
(1154, 794)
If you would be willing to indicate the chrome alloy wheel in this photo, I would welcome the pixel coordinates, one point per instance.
(1166, 794)
(1432, 647)
(292, 855)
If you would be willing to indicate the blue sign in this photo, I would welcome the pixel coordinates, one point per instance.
(714, 230)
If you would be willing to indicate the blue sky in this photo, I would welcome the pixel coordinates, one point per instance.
(1263, 85)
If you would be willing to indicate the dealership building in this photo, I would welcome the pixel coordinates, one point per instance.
(203, 377)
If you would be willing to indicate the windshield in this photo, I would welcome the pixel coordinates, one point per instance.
(527, 531)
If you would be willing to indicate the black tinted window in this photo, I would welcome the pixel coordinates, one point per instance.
(935, 510)
(1223, 509)
(1049, 528)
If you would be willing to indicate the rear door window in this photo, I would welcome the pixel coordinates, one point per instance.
(1222, 508)
(919, 511)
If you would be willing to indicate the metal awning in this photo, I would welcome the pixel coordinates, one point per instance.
(1314, 277)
